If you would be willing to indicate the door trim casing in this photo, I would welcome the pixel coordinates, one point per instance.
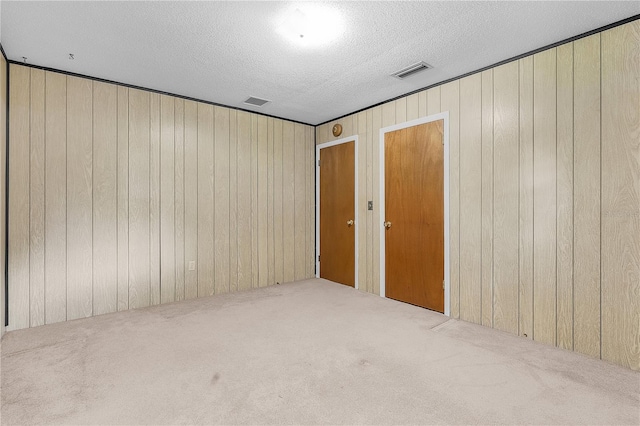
(353, 139)
(423, 120)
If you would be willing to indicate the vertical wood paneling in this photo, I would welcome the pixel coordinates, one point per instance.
(376, 117)
(544, 196)
(471, 198)
(4, 78)
(487, 198)
(422, 104)
(433, 100)
(55, 257)
(105, 201)
(221, 180)
(450, 101)
(288, 194)
(154, 198)
(205, 200)
(179, 196)
(79, 198)
(138, 199)
(621, 195)
(586, 195)
(311, 201)
(299, 202)
(123, 198)
(564, 241)
(254, 201)
(271, 264)
(168, 182)
(37, 195)
(244, 200)
(19, 171)
(262, 213)
(525, 283)
(233, 201)
(370, 214)
(361, 204)
(401, 110)
(505, 197)
(191, 199)
(413, 108)
(278, 191)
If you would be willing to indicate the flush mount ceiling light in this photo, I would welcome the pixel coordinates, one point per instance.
(311, 25)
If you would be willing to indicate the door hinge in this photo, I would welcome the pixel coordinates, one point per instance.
(443, 284)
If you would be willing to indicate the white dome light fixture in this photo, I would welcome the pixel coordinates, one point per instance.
(311, 25)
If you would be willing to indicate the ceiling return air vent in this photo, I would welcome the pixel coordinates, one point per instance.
(411, 70)
(256, 101)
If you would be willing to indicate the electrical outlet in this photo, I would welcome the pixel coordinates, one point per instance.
(192, 265)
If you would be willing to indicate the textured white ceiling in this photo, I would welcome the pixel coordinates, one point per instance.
(224, 52)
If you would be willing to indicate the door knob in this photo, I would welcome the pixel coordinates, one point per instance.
(387, 225)
(350, 222)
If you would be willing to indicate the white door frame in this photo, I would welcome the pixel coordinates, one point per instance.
(441, 116)
(353, 139)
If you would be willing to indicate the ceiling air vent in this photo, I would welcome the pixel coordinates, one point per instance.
(256, 101)
(412, 69)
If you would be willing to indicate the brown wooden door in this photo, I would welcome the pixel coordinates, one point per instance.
(337, 209)
(414, 206)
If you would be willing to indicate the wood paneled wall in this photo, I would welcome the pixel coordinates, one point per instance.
(544, 193)
(3, 183)
(122, 198)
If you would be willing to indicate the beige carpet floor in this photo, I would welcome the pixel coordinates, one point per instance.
(311, 352)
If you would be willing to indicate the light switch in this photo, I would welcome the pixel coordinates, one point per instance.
(370, 205)
(192, 265)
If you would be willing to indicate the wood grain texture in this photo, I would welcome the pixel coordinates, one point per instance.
(487, 199)
(191, 199)
(262, 213)
(168, 240)
(123, 198)
(505, 198)
(244, 200)
(586, 196)
(233, 201)
(525, 283)
(278, 214)
(179, 192)
(154, 198)
(311, 202)
(205, 200)
(79, 198)
(139, 294)
(55, 256)
(364, 282)
(221, 223)
(37, 198)
(450, 101)
(271, 264)
(544, 196)
(368, 143)
(564, 216)
(337, 191)
(105, 200)
(254, 201)
(299, 202)
(376, 119)
(471, 198)
(621, 195)
(19, 171)
(288, 195)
